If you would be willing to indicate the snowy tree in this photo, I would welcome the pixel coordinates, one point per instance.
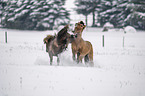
(49, 12)
(59, 13)
(137, 16)
(85, 7)
(34, 14)
(41, 15)
(3, 4)
(123, 12)
(95, 9)
(17, 15)
(108, 12)
(82, 8)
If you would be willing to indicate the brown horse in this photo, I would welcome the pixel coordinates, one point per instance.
(58, 43)
(82, 48)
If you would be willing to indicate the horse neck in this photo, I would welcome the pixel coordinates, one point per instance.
(79, 37)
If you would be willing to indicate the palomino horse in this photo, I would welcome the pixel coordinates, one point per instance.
(57, 44)
(82, 48)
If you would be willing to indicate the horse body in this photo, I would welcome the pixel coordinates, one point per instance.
(82, 48)
(57, 44)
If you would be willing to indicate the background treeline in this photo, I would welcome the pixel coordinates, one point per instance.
(32, 14)
(44, 14)
(118, 12)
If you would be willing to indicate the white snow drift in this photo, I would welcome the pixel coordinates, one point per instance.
(118, 71)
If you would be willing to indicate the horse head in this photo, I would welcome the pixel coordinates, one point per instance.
(65, 37)
(79, 27)
(47, 41)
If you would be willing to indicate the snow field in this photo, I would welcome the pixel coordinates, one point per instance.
(118, 70)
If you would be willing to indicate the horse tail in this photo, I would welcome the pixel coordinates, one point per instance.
(89, 56)
(86, 58)
(91, 53)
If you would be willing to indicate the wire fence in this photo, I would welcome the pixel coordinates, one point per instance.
(103, 40)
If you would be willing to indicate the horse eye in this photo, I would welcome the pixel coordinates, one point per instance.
(81, 25)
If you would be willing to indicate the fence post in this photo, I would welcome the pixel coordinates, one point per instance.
(103, 40)
(6, 37)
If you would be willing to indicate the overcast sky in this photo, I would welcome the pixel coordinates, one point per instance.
(69, 4)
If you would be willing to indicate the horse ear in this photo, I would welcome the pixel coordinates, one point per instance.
(45, 41)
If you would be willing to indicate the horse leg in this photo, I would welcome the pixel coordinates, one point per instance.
(51, 59)
(46, 47)
(58, 61)
(74, 55)
(80, 58)
(78, 54)
(86, 59)
(90, 55)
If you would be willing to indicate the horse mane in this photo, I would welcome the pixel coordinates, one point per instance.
(81, 22)
(62, 36)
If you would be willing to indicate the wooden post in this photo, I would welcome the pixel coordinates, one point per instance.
(103, 40)
(123, 40)
(6, 37)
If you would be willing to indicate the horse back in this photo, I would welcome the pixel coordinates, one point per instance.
(88, 44)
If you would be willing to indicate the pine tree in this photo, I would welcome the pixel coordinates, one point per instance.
(137, 17)
(21, 16)
(123, 12)
(2, 7)
(108, 12)
(40, 14)
(59, 13)
(48, 12)
(85, 7)
(34, 14)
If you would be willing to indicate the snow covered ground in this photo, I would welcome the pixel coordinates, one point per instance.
(118, 70)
